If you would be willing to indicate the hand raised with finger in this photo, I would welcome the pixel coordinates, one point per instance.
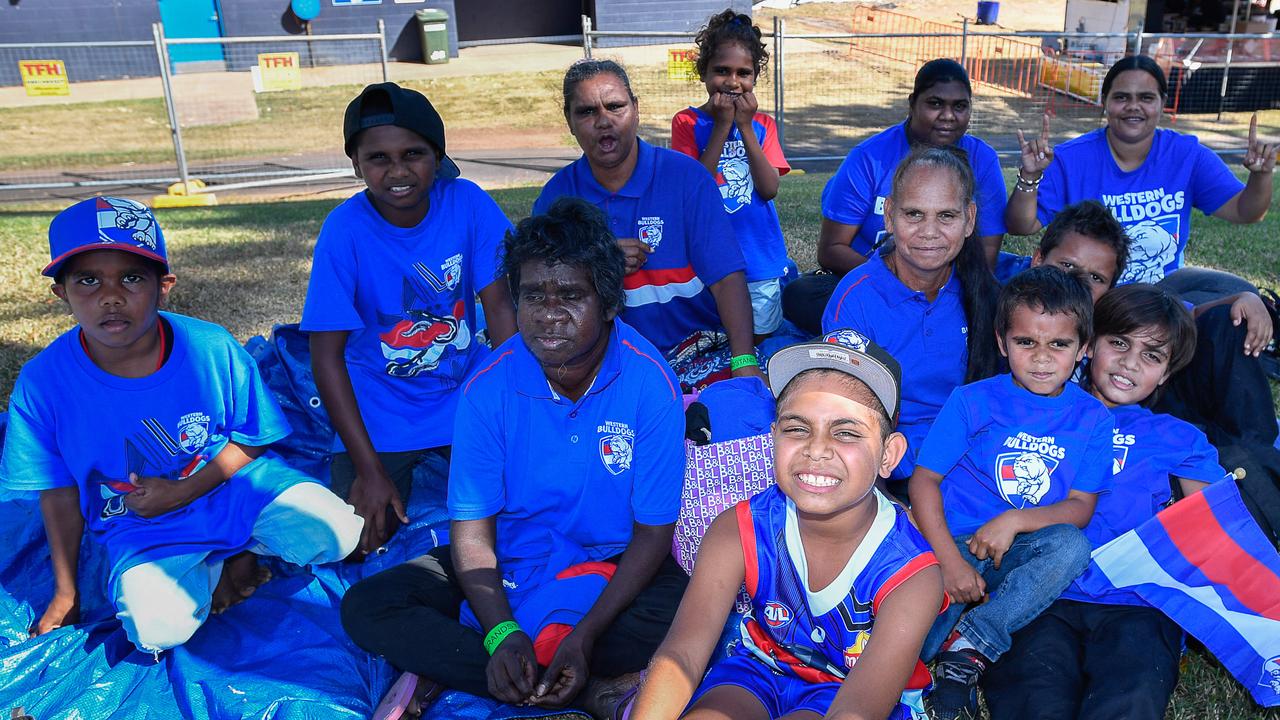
(1036, 153)
(1260, 157)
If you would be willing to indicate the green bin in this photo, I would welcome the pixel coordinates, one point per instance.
(434, 27)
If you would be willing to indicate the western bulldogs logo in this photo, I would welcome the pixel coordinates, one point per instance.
(1153, 244)
(193, 432)
(776, 615)
(1271, 674)
(735, 174)
(451, 271)
(1117, 462)
(849, 338)
(617, 448)
(116, 214)
(1024, 477)
(650, 230)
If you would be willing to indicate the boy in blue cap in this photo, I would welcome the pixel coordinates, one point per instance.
(391, 304)
(149, 429)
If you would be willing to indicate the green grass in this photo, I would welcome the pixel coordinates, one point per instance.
(246, 267)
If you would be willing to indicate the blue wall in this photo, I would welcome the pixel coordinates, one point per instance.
(74, 21)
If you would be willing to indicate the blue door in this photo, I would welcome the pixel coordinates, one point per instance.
(191, 19)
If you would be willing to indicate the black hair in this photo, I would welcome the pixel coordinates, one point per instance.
(730, 26)
(585, 69)
(1093, 220)
(978, 286)
(571, 232)
(1049, 290)
(156, 267)
(1135, 62)
(936, 72)
(851, 383)
(1130, 308)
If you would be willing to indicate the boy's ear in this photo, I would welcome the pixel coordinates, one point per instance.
(166, 284)
(59, 290)
(1004, 352)
(355, 167)
(1037, 258)
(895, 446)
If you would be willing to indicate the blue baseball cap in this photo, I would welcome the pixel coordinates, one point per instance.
(104, 223)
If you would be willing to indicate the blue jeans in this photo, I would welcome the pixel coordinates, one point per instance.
(1036, 569)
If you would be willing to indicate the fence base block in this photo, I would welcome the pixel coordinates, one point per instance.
(177, 201)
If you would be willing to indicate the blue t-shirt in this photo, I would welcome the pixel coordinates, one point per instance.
(827, 629)
(559, 473)
(928, 339)
(73, 424)
(999, 446)
(1153, 202)
(754, 219)
(1148, 448)
(672, 204)
(407, 296)
(855, 194)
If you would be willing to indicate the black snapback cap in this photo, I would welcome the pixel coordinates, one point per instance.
(400, 107)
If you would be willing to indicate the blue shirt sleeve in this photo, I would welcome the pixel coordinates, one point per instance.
(331, 292)
(255, 419)
(1201, 462)
(31, 459)
(477, 482)
(1212, 182)
(489, 227)
(659, 459)
(850, 195)
(948, 439)
(1096, 471)
(714, 251)
(990, 191)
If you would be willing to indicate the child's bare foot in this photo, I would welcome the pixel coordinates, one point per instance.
(601, 698)
(241, 575)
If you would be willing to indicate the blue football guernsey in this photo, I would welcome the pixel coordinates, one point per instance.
(855, 194)
(1153, 202)
(754, 219)
(927, 339)
(407, 296)
(1148, 449)
(562, 475)
(72, 424)
(999, 446)
(672, 204)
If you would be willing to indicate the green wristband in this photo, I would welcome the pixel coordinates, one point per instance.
(499, 633)
(738, 362)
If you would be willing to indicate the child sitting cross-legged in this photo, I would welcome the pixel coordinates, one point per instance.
(149, 429)
(843, 589)
(1007, 476)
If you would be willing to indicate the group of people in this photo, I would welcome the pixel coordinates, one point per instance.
(966, 426)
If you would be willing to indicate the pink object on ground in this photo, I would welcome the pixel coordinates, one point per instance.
(396, 701)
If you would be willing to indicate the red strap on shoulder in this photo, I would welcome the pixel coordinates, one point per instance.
(747, 536)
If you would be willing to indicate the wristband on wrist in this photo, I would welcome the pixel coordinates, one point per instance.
(1027, 181)
(738, 362)
(498, 633)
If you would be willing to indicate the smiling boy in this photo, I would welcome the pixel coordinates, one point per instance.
(391, 303)
(1006, 478)
(149, 429)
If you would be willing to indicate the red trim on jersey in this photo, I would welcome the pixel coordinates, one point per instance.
(674, 393)
(904, 573)
(855, 284)
(669, 276)
(486, 369)
(597, 567)
(808, 673)
(548, 642)
(747, 536)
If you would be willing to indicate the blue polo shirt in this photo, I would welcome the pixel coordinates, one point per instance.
(557, 472)
(672, 204)
(928, 339)
(72, 424)
(407, 297)
(855, 194)
(1148, 449)
(1153, 202)
(998, 446)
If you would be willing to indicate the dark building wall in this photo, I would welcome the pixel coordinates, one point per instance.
(500, 19)
(29, 21)
(684, 16)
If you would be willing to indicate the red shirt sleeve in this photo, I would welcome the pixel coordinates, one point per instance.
(682, 138)
(772, 149)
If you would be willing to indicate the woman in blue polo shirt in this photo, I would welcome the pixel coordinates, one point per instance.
(927, 296)
(564, 486)
(853, 226)
(685, 271)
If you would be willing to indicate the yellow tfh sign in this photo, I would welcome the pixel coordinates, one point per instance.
(680, 65)
(280, 71)
(44, 77)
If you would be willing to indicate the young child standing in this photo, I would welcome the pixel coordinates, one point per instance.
(391, 304)
(1113, 656)
(739, 146)
(827, 560)
(149, 428)
(1007, 476)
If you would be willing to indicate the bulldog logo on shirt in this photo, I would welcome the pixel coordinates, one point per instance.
(617, 446)
(416, 339)
(650, 230)
(1024, 477)
(734, 178)
(1271, 674)
(451, 271)
(193, 432)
